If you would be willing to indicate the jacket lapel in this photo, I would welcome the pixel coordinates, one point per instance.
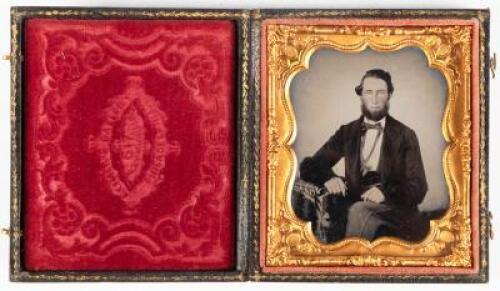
(389, 145)
(353, 149)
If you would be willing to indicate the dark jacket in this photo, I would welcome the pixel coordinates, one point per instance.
(400, 167)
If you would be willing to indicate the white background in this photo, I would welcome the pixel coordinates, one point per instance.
(494, 185)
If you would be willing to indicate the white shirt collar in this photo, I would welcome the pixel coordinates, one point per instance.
(381, 121)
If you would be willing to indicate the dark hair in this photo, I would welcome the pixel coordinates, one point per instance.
(376, 73)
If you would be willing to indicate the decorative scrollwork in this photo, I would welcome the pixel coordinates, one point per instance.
(130, 144)
(290, 241)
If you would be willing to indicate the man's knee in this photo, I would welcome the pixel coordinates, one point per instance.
(359, 210)
(361, 221)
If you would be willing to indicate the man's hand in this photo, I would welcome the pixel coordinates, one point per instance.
(336, 186)
(374, 195)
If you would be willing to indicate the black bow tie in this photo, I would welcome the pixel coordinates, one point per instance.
(366, 126)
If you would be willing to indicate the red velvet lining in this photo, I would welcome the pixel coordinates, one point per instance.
(130, 145)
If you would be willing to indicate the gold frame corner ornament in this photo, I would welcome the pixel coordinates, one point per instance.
(289, 240)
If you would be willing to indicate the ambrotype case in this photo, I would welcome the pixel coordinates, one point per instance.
(212, 145)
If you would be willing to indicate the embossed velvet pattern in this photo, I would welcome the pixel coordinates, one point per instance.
(129, 145)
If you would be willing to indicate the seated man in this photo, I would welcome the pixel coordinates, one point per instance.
(384, 174)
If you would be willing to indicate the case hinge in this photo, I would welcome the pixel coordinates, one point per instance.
(490, 224)
(10, 232)
(493, 65)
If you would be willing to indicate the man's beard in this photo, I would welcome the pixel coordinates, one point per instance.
(375, 115)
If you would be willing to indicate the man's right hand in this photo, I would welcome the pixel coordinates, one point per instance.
(336, 186)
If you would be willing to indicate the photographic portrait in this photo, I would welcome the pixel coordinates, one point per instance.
(369, 145)
(368, 138)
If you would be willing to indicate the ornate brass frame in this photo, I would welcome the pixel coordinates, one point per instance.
(287, 243)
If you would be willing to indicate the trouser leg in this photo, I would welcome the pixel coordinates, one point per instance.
(363, 219)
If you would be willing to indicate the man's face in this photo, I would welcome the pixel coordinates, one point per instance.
(375, 98)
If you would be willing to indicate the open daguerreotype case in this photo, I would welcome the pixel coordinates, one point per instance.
(236, 145)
